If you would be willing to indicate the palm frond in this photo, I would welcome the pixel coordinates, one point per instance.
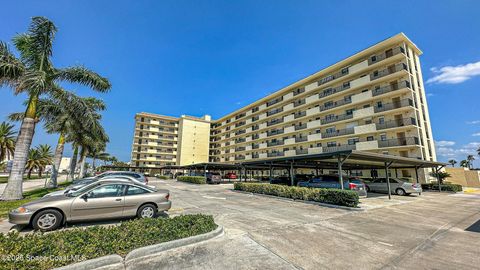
(10, 67)
(84, 76)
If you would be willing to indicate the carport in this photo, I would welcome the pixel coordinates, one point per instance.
(346, 160)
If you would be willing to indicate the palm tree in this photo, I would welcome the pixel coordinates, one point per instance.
(452, 162)
(38, 158)
(470, 159)
(97, 153)
(464, 163)
(7, 141)
(33, 73)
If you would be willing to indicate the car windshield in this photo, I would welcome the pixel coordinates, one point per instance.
(74, 192)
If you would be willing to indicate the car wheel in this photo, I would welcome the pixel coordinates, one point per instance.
(400, 192)
(147, 211)
(47, 220)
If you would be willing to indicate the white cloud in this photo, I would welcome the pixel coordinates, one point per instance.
(455, 74)
(444, 143)
(430, 94)
(474, 122)
(476, 134)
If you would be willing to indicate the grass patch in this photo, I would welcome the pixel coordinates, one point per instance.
(323, 195)
(192, 179)
(6, 206)
(87, 243)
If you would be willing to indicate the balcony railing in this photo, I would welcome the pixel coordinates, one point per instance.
(274, 122)
(327, 149)
(240, 132)
(299, 102)
(255, 155)
(240, 148)
(302, 126)
(330, 78)
(239, 157)
(240, 140)
(255, 127)
(255, 136)
(255, 146)
(275, 143)
(393, 105)
(336, 118)
(390, 70)
(275, 132)
(240, 124)
(339, 132)
(335, 104)
(330, 91)
(301, 151)
(271, 102)
(255, 118)
(396, 123)
(275, 154)
(272, 112)
(399, 142)
(299, 114)
(298, 91)
(390, 88)
(301, 139)
(379, 57)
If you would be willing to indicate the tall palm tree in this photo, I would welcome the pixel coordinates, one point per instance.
(7, 141)
(33, 73)
(464, 163)
(452, 162)
(38, 158)
(470, 159)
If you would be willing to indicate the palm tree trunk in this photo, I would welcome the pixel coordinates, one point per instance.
(14, 188)
(57, 160)
(94, 163)
(29, 175)
(83, 156)
(73, 163)
(40, 172)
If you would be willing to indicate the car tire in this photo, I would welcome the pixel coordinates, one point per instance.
(47, 220)
(400, 192)
(147, 211)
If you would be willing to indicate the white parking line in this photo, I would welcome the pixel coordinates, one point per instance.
(217, 198)
(386, 244)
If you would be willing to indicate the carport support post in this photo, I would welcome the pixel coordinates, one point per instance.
(438, 178)
(291, 174)
(340, 174)
(416, 174)
(205, 172)
(387, 165)
(270, 173)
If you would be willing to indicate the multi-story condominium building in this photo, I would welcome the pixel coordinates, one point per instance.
(372, 101)
(163, 140)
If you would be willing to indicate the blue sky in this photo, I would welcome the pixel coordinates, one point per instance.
(198, 57)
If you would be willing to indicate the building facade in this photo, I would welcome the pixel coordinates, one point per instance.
(372, 101)
(164, 140)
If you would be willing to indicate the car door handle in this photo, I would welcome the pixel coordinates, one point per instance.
(118, 200)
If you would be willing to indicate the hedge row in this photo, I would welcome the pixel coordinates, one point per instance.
(45, 251)
(445, 187)
(163, 177)
(323, 195)
(192, 179)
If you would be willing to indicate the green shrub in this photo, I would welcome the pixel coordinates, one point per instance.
(445, 187)
(65, 247)
(163, 177)
(192, 179)
(323, 195)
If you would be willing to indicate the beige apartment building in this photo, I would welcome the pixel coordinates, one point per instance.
(371, 101)
(163, 140)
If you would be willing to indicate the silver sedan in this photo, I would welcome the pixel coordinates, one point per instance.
(104, 199)
(397, 186)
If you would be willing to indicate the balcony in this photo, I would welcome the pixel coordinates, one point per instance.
(298, 91)
(399, 142)
(390, 70)
(390, 88)
(301, 126)
(331, 91)
(298, 102)
(275, 154)
(301, 151)
(272, 112)
(255, 156)
(274, 143)
(331, 105)
(393, 105)
(340, 132)
(240, 132)
(241, 157)
(275, 101)
(299, 114)
(328, 149)
(274, 122)
(240, 124)
(255, 118)
(255, 136)
(389, 53)
(301, 139)
(330, 78)
(396, 123)
(255, 146)
(274, 132)
(240, 148)
(336, 118)
(240, 140)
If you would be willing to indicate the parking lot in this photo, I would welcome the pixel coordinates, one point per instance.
(431, 231)
(426, 232)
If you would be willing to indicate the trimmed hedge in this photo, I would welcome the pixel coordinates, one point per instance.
(323, 195)
(163, 177)
(445, 187)
(45, 251)
(192, 179)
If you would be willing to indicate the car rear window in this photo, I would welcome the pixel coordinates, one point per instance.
(133, 190)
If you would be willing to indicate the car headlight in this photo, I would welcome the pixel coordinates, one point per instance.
(21, 209)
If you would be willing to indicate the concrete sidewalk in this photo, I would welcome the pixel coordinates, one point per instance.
(34, 184)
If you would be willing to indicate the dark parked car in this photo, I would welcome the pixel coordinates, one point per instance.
(280, 180)
(213, 178)
(285, 179)
(333, 181)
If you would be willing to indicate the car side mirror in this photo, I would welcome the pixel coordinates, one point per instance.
(85, 196)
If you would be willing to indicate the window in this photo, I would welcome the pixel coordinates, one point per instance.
(370, 138)
(115, 190)
(353, 141)
(344, 71)
(346, 84)
(133, 190)
(383, 137)
(349, 112)
(330, 130)
(379, 104)
(374, 58)
(331, 144)
(381, 120)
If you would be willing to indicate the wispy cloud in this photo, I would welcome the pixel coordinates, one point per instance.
(430, 94)
(474, 122)
(476, 134)
(455, 74)
(448, 149)
(444, 143)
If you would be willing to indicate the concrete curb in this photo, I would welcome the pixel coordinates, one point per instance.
(117, 262)
(302, 201)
